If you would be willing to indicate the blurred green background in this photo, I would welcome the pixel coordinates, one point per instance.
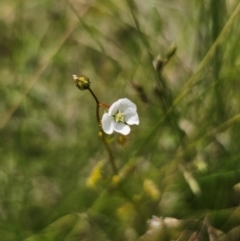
(178, 61)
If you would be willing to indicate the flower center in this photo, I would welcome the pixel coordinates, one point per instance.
(119, 116)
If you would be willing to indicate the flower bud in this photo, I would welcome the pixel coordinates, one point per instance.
(82, 82)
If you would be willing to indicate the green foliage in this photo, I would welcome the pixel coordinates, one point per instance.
(178, 61)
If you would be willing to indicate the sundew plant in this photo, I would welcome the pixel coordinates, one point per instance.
(146, 148)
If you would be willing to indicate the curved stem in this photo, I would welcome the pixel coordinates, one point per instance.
(110, 154)
(94, 96)
(97, 107)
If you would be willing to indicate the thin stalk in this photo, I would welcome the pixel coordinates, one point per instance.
(111, 157)
(97, 108)
(110, 154)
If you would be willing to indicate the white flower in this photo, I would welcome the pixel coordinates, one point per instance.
(121, 114)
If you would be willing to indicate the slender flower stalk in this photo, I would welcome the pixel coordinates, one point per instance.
(97, 107)
(83, 83)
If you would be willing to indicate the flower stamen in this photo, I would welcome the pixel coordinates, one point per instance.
(119, 116)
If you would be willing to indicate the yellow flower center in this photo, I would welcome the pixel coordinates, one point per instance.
(119, 116)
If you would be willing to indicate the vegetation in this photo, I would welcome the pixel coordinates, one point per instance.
(176, 176)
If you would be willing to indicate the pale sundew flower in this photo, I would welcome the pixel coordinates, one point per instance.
(120, 115)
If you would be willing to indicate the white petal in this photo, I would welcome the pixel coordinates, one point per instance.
(125, 104)
(121, 128)
(122, 105)
(114, 108)
(131, 117)
(107, 123)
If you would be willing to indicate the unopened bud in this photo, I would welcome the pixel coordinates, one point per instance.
(82, 82)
